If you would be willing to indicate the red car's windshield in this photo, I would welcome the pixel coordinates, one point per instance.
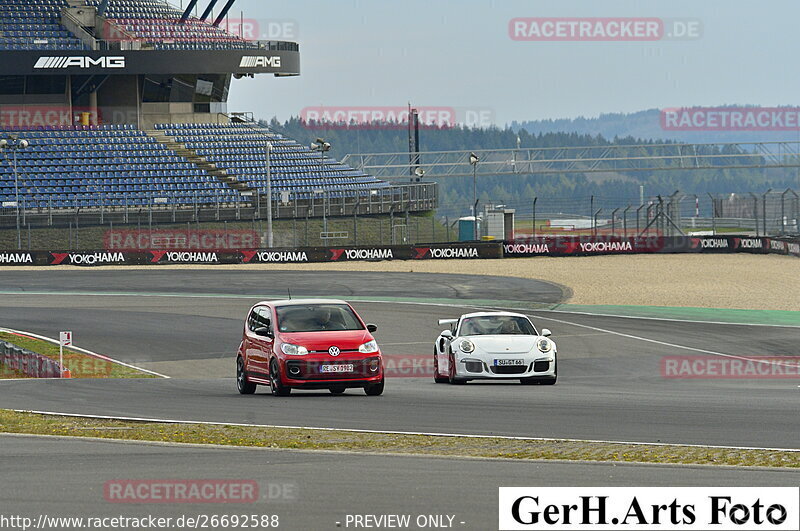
(317, 318)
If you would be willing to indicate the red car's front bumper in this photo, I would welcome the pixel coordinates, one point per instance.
(312, 372)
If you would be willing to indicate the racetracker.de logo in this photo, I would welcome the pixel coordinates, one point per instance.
(376, 117)
(730, 119)
(23, 116)
(390, 117)
(180, 239)
(181, 491)
(603, 29)
(192, 30)
(730, 368)
(408, 366)
(252, 29)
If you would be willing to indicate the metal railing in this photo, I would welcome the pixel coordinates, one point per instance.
(771, 213)
(404, 215)
(399, 200)
(584, 159)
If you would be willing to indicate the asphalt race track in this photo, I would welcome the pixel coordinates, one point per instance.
(253, 283)
(610, 385)
(187, 324)
(307, 490)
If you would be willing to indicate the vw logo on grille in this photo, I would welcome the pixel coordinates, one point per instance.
(334, 351)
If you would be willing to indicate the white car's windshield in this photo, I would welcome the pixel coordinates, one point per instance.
(487, 325)
(317, 318)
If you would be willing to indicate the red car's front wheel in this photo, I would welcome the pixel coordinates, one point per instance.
(374, 389)
(276, 381)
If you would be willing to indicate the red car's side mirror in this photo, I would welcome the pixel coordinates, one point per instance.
(263, 332)
(372, 328)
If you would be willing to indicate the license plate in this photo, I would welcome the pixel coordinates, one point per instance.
(342, 367)
(506, 363)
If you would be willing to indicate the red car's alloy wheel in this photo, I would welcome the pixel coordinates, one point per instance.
(276, 382)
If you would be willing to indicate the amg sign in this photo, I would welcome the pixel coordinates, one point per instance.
(52, 63)
(149, 62)
(256, 61)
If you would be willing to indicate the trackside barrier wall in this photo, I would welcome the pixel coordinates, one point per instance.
(27, 362)
(254, 256)
(542, 246)
(588, 245)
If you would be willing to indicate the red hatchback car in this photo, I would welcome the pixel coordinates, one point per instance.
(308, 344)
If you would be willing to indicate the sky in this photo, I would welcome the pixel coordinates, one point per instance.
(459, 54)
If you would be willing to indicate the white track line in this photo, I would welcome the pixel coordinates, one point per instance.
(673, 320)
(386, 432)
(82, 350)
(664, 343)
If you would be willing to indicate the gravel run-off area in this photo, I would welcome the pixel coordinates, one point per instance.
(741, 281)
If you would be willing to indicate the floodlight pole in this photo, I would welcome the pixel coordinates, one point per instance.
(474, 159)
(270, 235)
(16, 194)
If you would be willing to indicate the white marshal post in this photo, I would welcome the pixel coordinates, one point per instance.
(65, 340)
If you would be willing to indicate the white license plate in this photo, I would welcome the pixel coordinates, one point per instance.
(507, 363)
(342, 367)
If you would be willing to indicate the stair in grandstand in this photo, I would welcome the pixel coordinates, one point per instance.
(200, 161)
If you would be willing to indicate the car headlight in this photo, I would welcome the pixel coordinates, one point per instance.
(369, 347)
(544, 345)
(467, 346)
(293, 350)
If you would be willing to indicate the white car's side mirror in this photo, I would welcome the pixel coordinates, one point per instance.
(546, 332)
(447, 334)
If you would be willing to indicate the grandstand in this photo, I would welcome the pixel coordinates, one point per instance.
(111, 165)
(238, 149)
(124, 106)
(28, 25)
(158, 24)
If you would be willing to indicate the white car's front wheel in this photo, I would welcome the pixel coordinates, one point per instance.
(452, 372)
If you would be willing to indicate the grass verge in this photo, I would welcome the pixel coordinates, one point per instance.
(428, 445)
(80, 365)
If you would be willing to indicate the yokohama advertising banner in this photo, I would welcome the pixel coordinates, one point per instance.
(373, 254)
(728, 244)
(583, 246)
(530, 247)
(435, 251)
(466, 251)
(588, 245)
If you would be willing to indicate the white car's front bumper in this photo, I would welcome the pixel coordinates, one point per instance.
(480, 365)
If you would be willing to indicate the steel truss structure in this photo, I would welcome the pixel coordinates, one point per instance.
(589, 159)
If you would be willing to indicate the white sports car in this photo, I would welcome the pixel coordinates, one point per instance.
(497, 346)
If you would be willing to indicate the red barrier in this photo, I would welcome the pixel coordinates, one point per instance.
(29, 363)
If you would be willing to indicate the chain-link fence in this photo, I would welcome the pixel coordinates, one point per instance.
(766, 214)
